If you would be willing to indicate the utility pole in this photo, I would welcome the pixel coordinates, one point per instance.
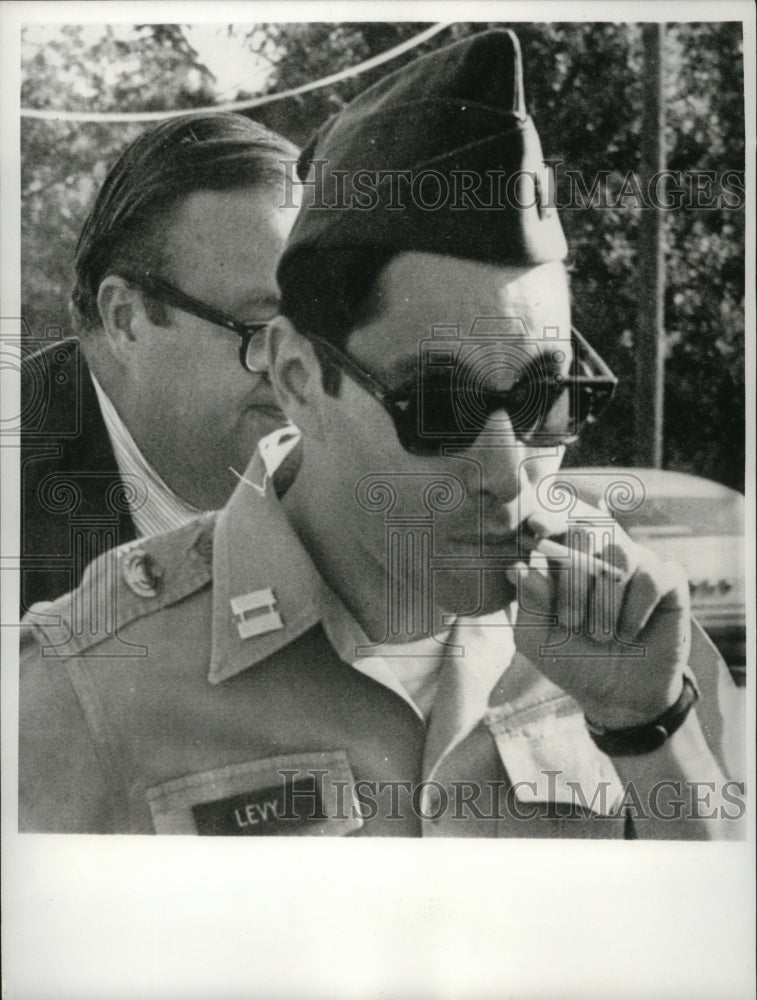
(650, 332)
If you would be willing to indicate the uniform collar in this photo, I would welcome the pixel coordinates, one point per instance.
(255, 551)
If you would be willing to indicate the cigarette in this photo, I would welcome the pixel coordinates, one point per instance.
(592, 565)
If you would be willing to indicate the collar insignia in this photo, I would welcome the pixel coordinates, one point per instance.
(256, 613)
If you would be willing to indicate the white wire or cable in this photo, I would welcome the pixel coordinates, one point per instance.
(145, 116)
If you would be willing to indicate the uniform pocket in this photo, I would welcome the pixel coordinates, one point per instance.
(307, 794)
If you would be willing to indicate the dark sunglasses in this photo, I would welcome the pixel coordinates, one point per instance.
(163, 291)
(449, 406)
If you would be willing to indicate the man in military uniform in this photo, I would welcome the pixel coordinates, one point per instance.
(135, 426)
(407, 642)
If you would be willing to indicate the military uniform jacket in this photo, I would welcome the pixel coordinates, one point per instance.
(189, 686)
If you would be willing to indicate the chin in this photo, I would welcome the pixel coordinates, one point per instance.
(473, 595)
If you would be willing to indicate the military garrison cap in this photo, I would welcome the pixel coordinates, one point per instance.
(439, 157)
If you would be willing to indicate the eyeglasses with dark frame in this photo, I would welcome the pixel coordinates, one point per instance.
(545, 406)
(164, 291)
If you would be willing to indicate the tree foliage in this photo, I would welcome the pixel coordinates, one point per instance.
(76, 68)
(584, 87)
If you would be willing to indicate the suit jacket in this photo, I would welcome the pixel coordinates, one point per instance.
(73, 498)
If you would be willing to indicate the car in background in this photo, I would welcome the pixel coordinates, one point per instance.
(686, 519)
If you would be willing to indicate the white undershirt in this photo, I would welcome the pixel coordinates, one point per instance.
(484, 645)
(416, 665)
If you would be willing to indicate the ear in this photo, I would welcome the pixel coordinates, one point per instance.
(295, 374)
(122, 314)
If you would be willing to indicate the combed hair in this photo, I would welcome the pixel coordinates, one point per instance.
(196, 152)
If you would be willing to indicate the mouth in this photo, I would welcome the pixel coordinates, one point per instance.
(491, 538)
(524, 537)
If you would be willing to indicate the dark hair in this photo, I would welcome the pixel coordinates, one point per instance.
(327, 293)
(126, 226)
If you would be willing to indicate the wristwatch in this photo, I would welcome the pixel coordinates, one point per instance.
(637, 740)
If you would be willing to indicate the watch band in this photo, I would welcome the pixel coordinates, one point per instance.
(637, 740)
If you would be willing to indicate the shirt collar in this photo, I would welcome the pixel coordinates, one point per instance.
(256, 550)
(154, 508)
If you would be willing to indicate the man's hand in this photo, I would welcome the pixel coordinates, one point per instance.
(618, 646)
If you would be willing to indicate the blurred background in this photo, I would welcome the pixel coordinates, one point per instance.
(585, 90)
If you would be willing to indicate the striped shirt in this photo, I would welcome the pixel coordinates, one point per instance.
(157, 508)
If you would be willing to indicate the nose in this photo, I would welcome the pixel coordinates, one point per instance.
(507, 470)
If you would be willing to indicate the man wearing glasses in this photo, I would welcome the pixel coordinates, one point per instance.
(407, 642)
(135, 427)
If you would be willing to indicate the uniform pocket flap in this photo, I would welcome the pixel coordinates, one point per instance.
(553, 759)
